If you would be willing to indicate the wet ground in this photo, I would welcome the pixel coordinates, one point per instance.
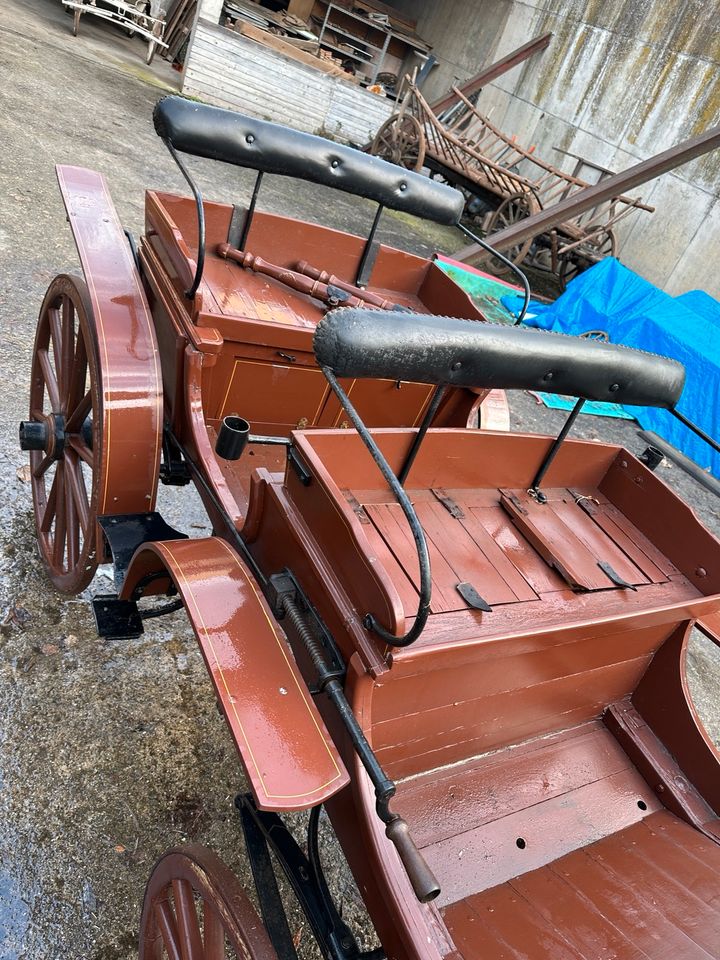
(112, 752)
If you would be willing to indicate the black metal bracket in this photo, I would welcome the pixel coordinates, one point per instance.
(173, 469)
(470, 595)
(266, 830)
(200, 220)
(436, 399)
(266, 885)
(116, 619)
(126, 532)
(369, 254)
(299, 466)
(133, 248)
(614, 577)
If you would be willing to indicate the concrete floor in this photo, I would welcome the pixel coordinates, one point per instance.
(112, 752)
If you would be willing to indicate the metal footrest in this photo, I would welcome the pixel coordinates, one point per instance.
(126, 532)
(116, 619)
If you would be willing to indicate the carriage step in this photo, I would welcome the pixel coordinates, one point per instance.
(116, 619)
(126, 532)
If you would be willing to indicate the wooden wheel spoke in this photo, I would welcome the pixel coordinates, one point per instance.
(76, 484)
(72, 530)
(214, 935)
(81, 448)
(50, 379)
(60, 516)
(79, 414)
(67, 353)
(42, 467)
(77, 375)
(168, 930)
(55, 324)
(50, 506)
(190, 941)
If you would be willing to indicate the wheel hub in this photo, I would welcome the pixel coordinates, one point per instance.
(47, 434)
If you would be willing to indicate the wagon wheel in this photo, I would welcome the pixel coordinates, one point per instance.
(517, 207)
(64, 434)
(600, 245)
(401, 140)
(195, 908)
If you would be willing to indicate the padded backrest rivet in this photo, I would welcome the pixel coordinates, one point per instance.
(335, 164)
(250, 138)
(403, 186)
(456, 365)
(614, 387)
(548, 376)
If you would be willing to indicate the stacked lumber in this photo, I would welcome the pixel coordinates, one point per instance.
(178, 25)
(285, 46)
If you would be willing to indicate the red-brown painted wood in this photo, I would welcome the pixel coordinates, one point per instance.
(130, 369)
(660, 770)
(446, 802)
(261, 330)
(570, 542)
(289, 757)
(649, 892)
(664, 701)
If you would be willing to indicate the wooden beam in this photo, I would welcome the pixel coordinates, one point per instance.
(282, 46)
(492, 72)
(301, 8)
(582, 200)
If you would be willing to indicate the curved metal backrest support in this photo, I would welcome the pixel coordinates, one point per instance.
(355, 342)
(217, 134)
(402, 498)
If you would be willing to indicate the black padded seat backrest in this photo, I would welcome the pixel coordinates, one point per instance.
(218, 134)
(355, 342)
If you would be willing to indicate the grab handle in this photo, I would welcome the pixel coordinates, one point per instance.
(419, 873)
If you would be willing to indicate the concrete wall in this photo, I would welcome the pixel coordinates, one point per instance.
(621, 81)
(463, 34)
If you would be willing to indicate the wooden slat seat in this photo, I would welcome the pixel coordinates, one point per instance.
(648, 892)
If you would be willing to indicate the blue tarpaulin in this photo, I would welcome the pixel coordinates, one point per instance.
(632, 311)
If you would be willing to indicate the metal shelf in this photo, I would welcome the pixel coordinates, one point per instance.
(376, 62)
(333, 29)
(345, 53)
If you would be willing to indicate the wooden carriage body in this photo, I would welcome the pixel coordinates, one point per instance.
(396, 614)
(548, 757)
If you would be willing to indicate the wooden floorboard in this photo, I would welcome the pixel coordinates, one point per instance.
(648, 892)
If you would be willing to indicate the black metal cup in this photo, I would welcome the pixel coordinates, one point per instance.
(232, 437)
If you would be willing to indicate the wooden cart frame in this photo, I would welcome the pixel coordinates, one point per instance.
(134, 16)
(510, 181)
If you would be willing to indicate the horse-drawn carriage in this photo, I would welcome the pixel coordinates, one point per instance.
(468, 645)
